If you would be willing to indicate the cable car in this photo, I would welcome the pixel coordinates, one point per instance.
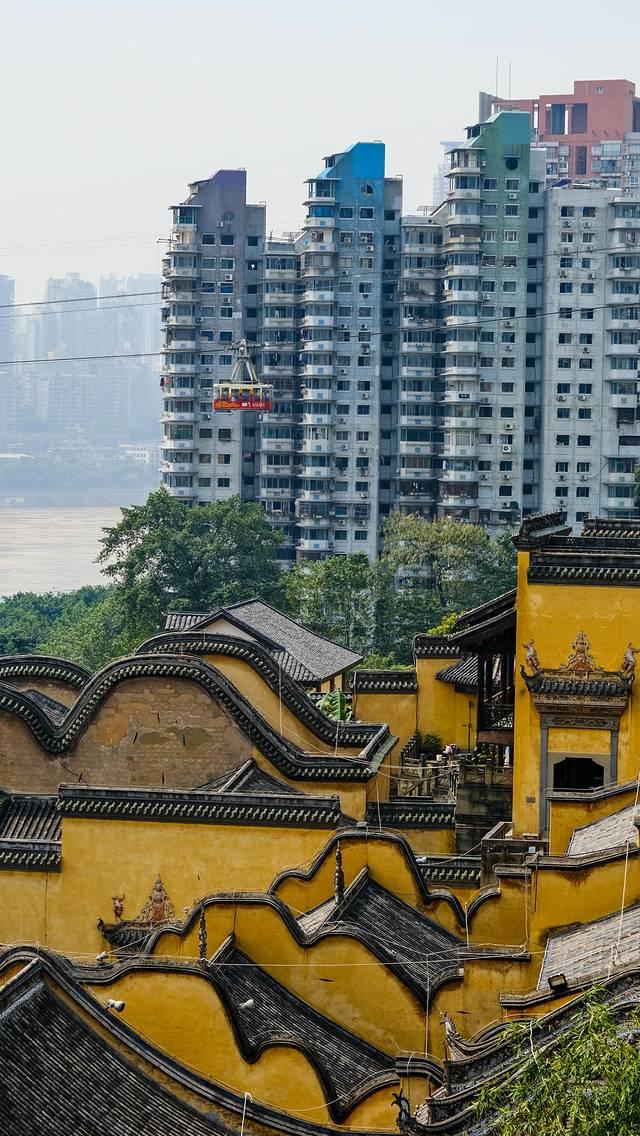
(243, 391)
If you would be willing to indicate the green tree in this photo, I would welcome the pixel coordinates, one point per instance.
(26, 619)
(334, 597)
(162, 555)
(587, 1084)
(95, 635)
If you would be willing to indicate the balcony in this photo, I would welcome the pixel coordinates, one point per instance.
(278, 322)
(172, 391)
(417, 372)
(318, 223)
(313, 296)
(314, 520)
(326, 198)
(171, 272)
(178, 416)
(181, 321)
(461, 321)
(455, 450)
(307, 545)
(303, 470)
(466, 423)
(275, 494)
(178, 444)
(462, 270)
(619, 479)
(169, 368)
(418, 396)
(623, 400)
(184, 493)
(469, 371)
(414, 420)
(317, 321)
(315, 494)
(276, 445)
(457, 475)
(176, 467)
(171, 291)
(317, 446)
(415, 447)
(281, 274)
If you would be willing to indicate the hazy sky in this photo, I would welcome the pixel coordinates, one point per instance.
(111, 108)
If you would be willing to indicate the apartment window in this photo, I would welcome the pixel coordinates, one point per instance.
(566, 238)
(565, 313)
(564, 364)
(566, 262)
(585, 337)
(227, 263)
(360, 534)
(208, 238)
(585, 262)
(508, 313)
(563, 388)
(205, 432)
(588, 238)
(225, 337)
(489, 183)
(562, 467)
(567, 211)
(585, 364)
(204, 482)
(563, 412)
(208, 262)
(562, 439)
(489, 208)
(224, 459)
(510, 236)
(508, 361)
(588, 210)
(512, 183)
(562, 491)
(362, 486)
(584, 439)
(223, 482)
(345, 211)
(584, 388)
(506, 388)
(505, 491)
(508, 285)
(226, 289)
(511, 211)
(485, 439)
(504, 466)
(586, 314)
(587, 289)
(366, 262)
(582, 491)
(224, 434)
(252, 242)
(486, 361)
(509, 261)
(583, 467)
(206, 312)
(226, 313)
(584, 412)
(564, 338)
(366, 212)
(205, 459)
(489, 235)
(566, 287)
(225, 360)
(206, 287)
(363, 410)
(488, 261)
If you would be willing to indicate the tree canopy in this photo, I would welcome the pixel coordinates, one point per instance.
(162, 555)
(586, 1084)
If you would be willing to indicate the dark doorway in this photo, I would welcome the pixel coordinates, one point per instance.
(578, 773)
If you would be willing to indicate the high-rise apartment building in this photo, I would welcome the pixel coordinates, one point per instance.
(478, 362)
(592, 133)
(7, 352)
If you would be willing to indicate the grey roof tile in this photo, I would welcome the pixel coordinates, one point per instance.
(609, 832)
(303, 655)
(591, 950)
(25, 817)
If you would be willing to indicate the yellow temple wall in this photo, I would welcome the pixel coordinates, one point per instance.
(552, 615)
(566, 816)
(443, 710)
(398, 710)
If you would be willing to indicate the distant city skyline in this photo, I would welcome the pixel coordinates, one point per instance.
(97, 146)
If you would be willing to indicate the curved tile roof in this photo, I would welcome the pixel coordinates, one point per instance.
(302, 654)
(610, 832)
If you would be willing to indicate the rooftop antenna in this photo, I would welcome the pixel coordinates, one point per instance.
(509, 80)
(497, 65)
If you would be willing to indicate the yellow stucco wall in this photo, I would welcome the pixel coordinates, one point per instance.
(552, 615)
(443, 710)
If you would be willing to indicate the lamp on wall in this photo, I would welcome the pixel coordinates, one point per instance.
(557, 982)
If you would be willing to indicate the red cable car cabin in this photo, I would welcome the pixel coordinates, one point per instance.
(242, 396)
(243, 391)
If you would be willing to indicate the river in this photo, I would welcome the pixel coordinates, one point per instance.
(51, 550)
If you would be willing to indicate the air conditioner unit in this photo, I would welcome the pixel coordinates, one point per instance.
(228, 276)
(508, 347)
(561, 398)
(591, 275)
(364, 394)
(344, 446)
(563, 274)
(587, 224)
(507, 425)
(207, 370)
(507, 449)
(343, 327)
(583, 477)
(342, 371)
(512, 196)
(362, 449)
(340, 420)
(582, 398)
(506, 477)
(363, 327)
(566, 224)
(586, 350)
(484, 476)
(486, 296)
(365, 349)
(485, 400)
(508, 323)
(364, 496)
(562, 477)
(369, 248)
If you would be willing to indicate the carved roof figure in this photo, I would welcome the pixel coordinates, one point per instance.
(580, 662)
